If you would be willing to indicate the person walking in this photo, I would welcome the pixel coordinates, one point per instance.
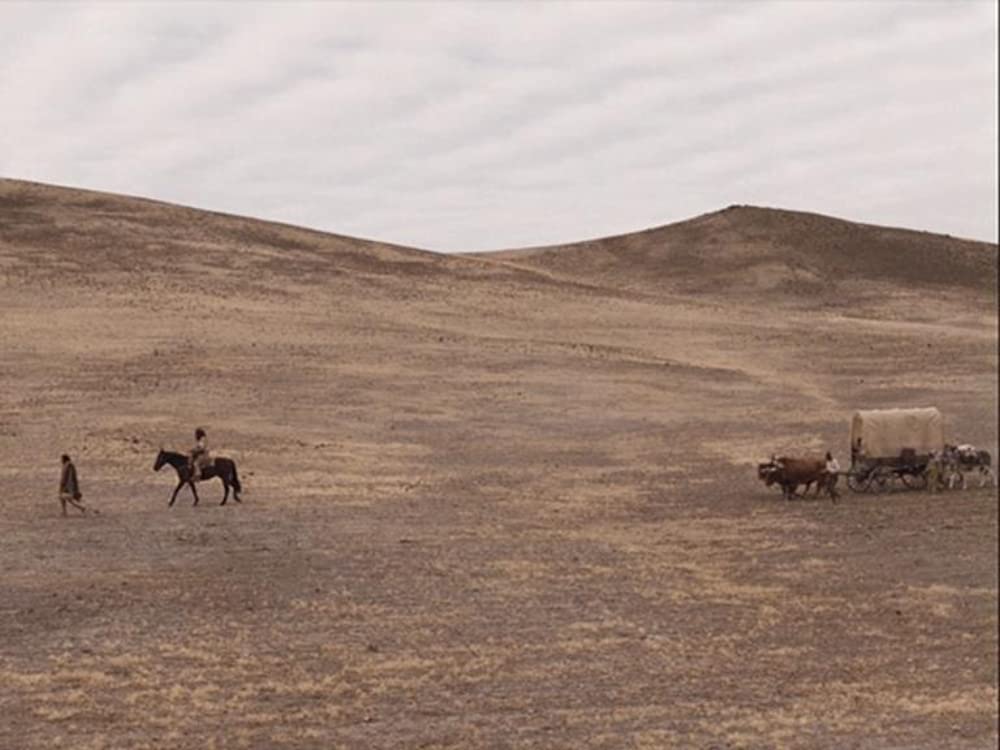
(69, 487)
(832, 475)
(934, 473)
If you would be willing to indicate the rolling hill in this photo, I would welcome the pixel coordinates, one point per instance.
(747, 249)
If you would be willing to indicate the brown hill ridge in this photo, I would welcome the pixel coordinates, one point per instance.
(47, 230)
(751, 248)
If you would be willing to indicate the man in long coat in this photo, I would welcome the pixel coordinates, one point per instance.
(69, 486)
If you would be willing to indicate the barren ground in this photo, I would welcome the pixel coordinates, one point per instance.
(487, 503)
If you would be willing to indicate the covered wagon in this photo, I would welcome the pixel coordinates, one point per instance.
(893, 444)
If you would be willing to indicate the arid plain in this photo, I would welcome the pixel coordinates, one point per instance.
(490, 501)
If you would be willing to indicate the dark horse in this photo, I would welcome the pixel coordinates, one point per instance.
(223, 468)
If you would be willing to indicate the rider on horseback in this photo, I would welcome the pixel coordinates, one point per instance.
(200, 457)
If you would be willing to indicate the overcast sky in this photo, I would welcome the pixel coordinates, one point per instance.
(463, 126)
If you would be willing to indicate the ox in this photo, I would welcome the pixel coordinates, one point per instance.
(789, 472)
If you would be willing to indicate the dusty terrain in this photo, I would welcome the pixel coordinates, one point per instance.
(496, 501)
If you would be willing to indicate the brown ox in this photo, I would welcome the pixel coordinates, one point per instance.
(789, 472)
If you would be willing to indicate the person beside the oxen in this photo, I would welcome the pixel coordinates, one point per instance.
(832, 469)
(69, 486)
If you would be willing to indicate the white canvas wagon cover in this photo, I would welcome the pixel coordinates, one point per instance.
(886, 432)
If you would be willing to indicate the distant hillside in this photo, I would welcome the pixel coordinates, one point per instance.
(740, 252)
(48, 231)
(744, 248)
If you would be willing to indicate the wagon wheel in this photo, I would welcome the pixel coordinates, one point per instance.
(915, 480)
(858, 481)
(881, 480)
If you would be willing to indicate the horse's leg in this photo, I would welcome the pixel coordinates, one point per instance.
(193, 492)
(177, 489)
(225, 484)
(234, 480)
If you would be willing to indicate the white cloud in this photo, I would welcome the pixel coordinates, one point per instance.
(472, 126)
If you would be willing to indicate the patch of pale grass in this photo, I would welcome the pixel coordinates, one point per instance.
(747, 452)
(941, 600)
(981, 700)
(25, 679)
(522, 570)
